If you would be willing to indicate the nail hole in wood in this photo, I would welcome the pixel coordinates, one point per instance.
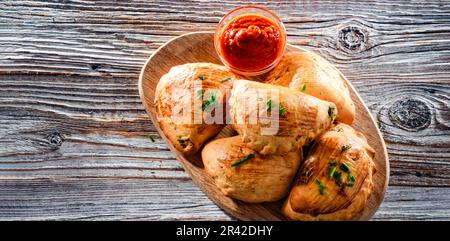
(410, 114)
(95, 66)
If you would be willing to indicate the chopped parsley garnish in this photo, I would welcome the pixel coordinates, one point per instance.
(282, 109)
(336, 175)
(331, 113)
(211, 100)
(345, 147)
(303, 87)
(337, 180)
(248, 157)
(333, 164)
(152, 139)
(350, 180)
(225, 79)
(332, 171)
(269, 104)
(321, 186)
(202, 77)
(200, 94)
(344, 167)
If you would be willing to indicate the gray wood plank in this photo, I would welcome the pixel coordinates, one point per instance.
(78, 126)
(153, 199)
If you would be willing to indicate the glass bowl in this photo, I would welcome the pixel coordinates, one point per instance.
(246, 10)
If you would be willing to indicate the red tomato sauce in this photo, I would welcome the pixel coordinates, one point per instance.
(251, 42)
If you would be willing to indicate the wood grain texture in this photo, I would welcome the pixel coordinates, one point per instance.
(199, 47)
(69, 106)
(150, 199)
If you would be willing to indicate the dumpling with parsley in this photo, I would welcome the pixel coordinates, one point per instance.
(274, 119)
(244, 174)
(336, 178)
(187, 100)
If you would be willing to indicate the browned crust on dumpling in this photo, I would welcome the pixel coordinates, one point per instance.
(342, 202)
(262, 178)
(305, 117)
(320, 78)
(186, 135)
(356, 206)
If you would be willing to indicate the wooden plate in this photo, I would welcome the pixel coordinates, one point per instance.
(199, 47)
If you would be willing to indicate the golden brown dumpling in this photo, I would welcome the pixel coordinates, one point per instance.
(312, 74)
(301, 117)
(176, 94)
(335, 179)
(257, 179)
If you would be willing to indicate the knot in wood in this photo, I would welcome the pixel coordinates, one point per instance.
(352, 38)
(410, 114)
(55, 139)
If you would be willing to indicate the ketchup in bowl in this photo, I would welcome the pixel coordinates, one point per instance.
(250, 43)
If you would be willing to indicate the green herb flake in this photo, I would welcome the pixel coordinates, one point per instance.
(269, 104)
(345, 148)
(205, 104)
(282, 109)
(344, 167)
(200, 94)
(337, 180)
(332, 171)
(352, 178)
(321, 186)
(211, 100)
(333, 164)
(331, 113)
(303, 87)
(202, 77)
(225, 79)
(248, 157)
(152, 139)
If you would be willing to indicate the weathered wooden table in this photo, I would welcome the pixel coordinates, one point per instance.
(74, 136)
